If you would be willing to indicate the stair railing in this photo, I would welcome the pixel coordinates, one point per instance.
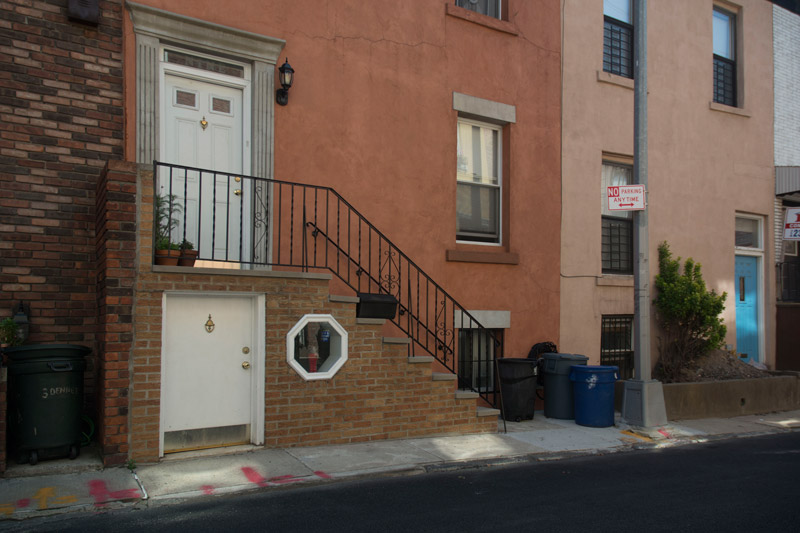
(258, 223)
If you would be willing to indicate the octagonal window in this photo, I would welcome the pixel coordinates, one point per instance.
(316, 347)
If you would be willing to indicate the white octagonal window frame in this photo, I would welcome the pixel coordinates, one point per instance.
(338, 351)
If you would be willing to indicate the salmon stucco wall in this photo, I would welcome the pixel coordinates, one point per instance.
(371, 114)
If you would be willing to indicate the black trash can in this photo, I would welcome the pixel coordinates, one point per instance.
(45, 400)
(559, 401)
(518, 387)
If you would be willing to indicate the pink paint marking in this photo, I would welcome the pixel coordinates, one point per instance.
(321, 474)
(254, 477)
(281, 480)
(208, 489)
(665, 433)
(23, 503)
(101, 494)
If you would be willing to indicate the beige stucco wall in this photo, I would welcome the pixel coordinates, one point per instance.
(705, 165)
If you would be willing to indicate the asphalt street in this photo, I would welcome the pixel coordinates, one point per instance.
(740, 484)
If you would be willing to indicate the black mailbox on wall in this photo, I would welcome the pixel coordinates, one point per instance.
(376, 305)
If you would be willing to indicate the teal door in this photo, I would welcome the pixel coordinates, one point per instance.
(747, 307)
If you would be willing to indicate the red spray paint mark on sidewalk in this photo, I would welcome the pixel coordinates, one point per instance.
(208, 490)
(254, 477)
(23, 503)
(101, 494)
(261, 481)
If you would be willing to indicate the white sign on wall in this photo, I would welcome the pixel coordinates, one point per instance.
(626, 198)
(791, 227)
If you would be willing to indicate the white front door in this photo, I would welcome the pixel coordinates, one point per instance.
(203, 128)
(211, 366)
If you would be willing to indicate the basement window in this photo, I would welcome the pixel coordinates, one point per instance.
(316, 347)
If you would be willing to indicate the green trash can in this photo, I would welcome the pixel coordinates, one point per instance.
(559, 399)
(45, 400)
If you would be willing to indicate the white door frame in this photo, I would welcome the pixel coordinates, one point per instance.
(758, 253)
(207, 77)
(215, 79)
(258, 364)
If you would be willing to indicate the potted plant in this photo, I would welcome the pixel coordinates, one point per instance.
(9, 333)
(167, 209)
(188, 254)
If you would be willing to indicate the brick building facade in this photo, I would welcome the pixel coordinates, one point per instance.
(61, 120)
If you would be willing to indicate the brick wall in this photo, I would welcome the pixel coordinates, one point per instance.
(3, 417)
(116, 270)
(60, 120)
(786, 43)
(378, 394)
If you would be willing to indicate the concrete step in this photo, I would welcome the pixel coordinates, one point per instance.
(443, 376)
(466, 395)
(420, 359)
(488, 411)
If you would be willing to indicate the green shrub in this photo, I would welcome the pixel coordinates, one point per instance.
(689, 315)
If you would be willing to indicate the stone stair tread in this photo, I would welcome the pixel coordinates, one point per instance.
(488, 411)
(443, 376)
(466, 394)
(418, 359)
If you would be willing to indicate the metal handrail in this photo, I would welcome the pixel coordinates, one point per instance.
(260, 222)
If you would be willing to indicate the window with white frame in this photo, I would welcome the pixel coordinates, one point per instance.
(491, 8)
(617, 226)
(724, 26)
(316, 347)
(479, 181)
(618, 37)
(748, 233)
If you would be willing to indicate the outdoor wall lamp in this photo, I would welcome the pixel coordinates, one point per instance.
(286, 77)
(22, 322)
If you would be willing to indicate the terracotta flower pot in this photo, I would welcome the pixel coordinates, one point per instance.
(167, 257)
(187, 258)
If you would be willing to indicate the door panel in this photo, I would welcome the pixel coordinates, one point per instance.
(206, 377)
(747, 340)
(207, 135)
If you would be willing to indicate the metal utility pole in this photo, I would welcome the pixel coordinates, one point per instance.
(643, 400)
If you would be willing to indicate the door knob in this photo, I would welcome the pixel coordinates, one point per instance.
(246, 365)
(238, 192)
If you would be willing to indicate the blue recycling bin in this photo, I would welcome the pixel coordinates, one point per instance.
(594, 394)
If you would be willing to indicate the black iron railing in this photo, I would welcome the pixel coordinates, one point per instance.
(250, 222)
(788, 278)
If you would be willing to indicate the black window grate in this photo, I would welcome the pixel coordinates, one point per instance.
(617, 246)
(618, 48)
(724, 81)
(477, 352)
(616, 343)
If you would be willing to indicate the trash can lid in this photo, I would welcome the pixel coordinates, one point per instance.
(594, 373)
(47, 351)
(565, 356)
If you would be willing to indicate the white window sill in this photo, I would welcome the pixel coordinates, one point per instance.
(615, 280)
(613, 79)
(482, 20)
(714, 106)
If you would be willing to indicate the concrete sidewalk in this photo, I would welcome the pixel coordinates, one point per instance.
(63, 486)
